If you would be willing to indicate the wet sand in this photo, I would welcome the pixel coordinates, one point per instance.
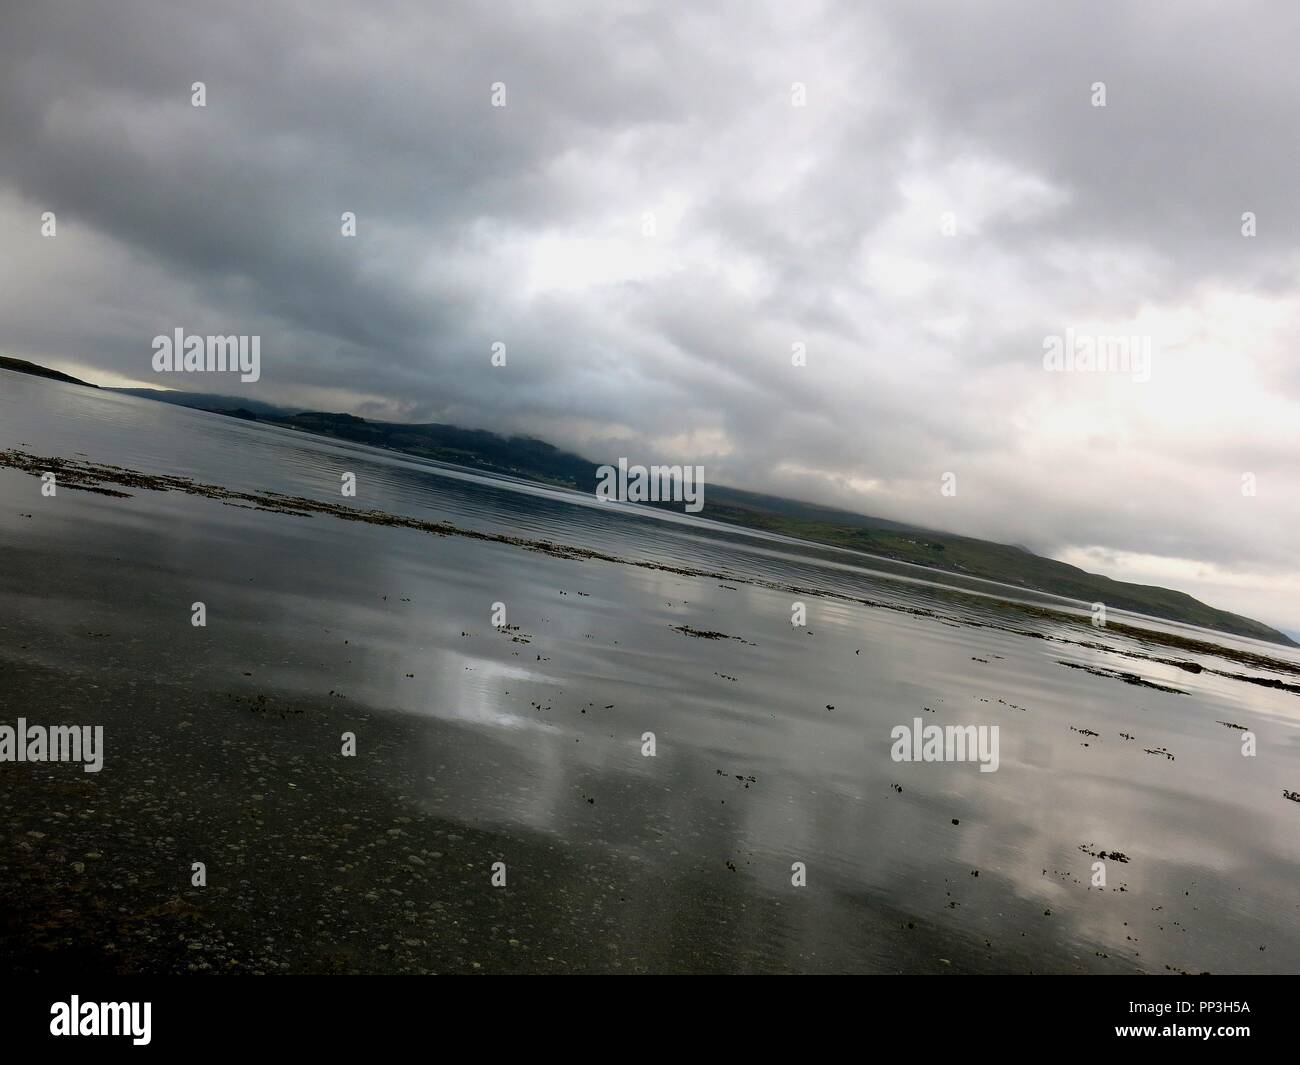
(323, 864)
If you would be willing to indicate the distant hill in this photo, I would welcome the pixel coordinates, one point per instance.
(23, 366)
(536, 460)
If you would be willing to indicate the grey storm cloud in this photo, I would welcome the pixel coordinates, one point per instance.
(650, 225)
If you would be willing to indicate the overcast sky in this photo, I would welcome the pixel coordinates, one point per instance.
(651, 222)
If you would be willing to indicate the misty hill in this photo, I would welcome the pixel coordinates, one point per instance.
(536, 460)
(202, 400)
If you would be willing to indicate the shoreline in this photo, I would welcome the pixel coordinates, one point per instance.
(94, 477)
(383, 863)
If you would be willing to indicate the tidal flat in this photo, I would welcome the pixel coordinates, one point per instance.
(522, 744)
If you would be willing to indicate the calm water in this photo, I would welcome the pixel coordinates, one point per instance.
(538, 729)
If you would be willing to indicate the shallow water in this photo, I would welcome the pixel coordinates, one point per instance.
(773, 745)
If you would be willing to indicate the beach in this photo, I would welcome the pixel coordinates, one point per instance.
(499, 812)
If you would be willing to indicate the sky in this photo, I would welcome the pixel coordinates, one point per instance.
(674, 200)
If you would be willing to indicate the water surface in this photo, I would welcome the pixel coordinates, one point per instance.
(773, 744)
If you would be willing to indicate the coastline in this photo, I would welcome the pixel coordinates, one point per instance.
(383, 863)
